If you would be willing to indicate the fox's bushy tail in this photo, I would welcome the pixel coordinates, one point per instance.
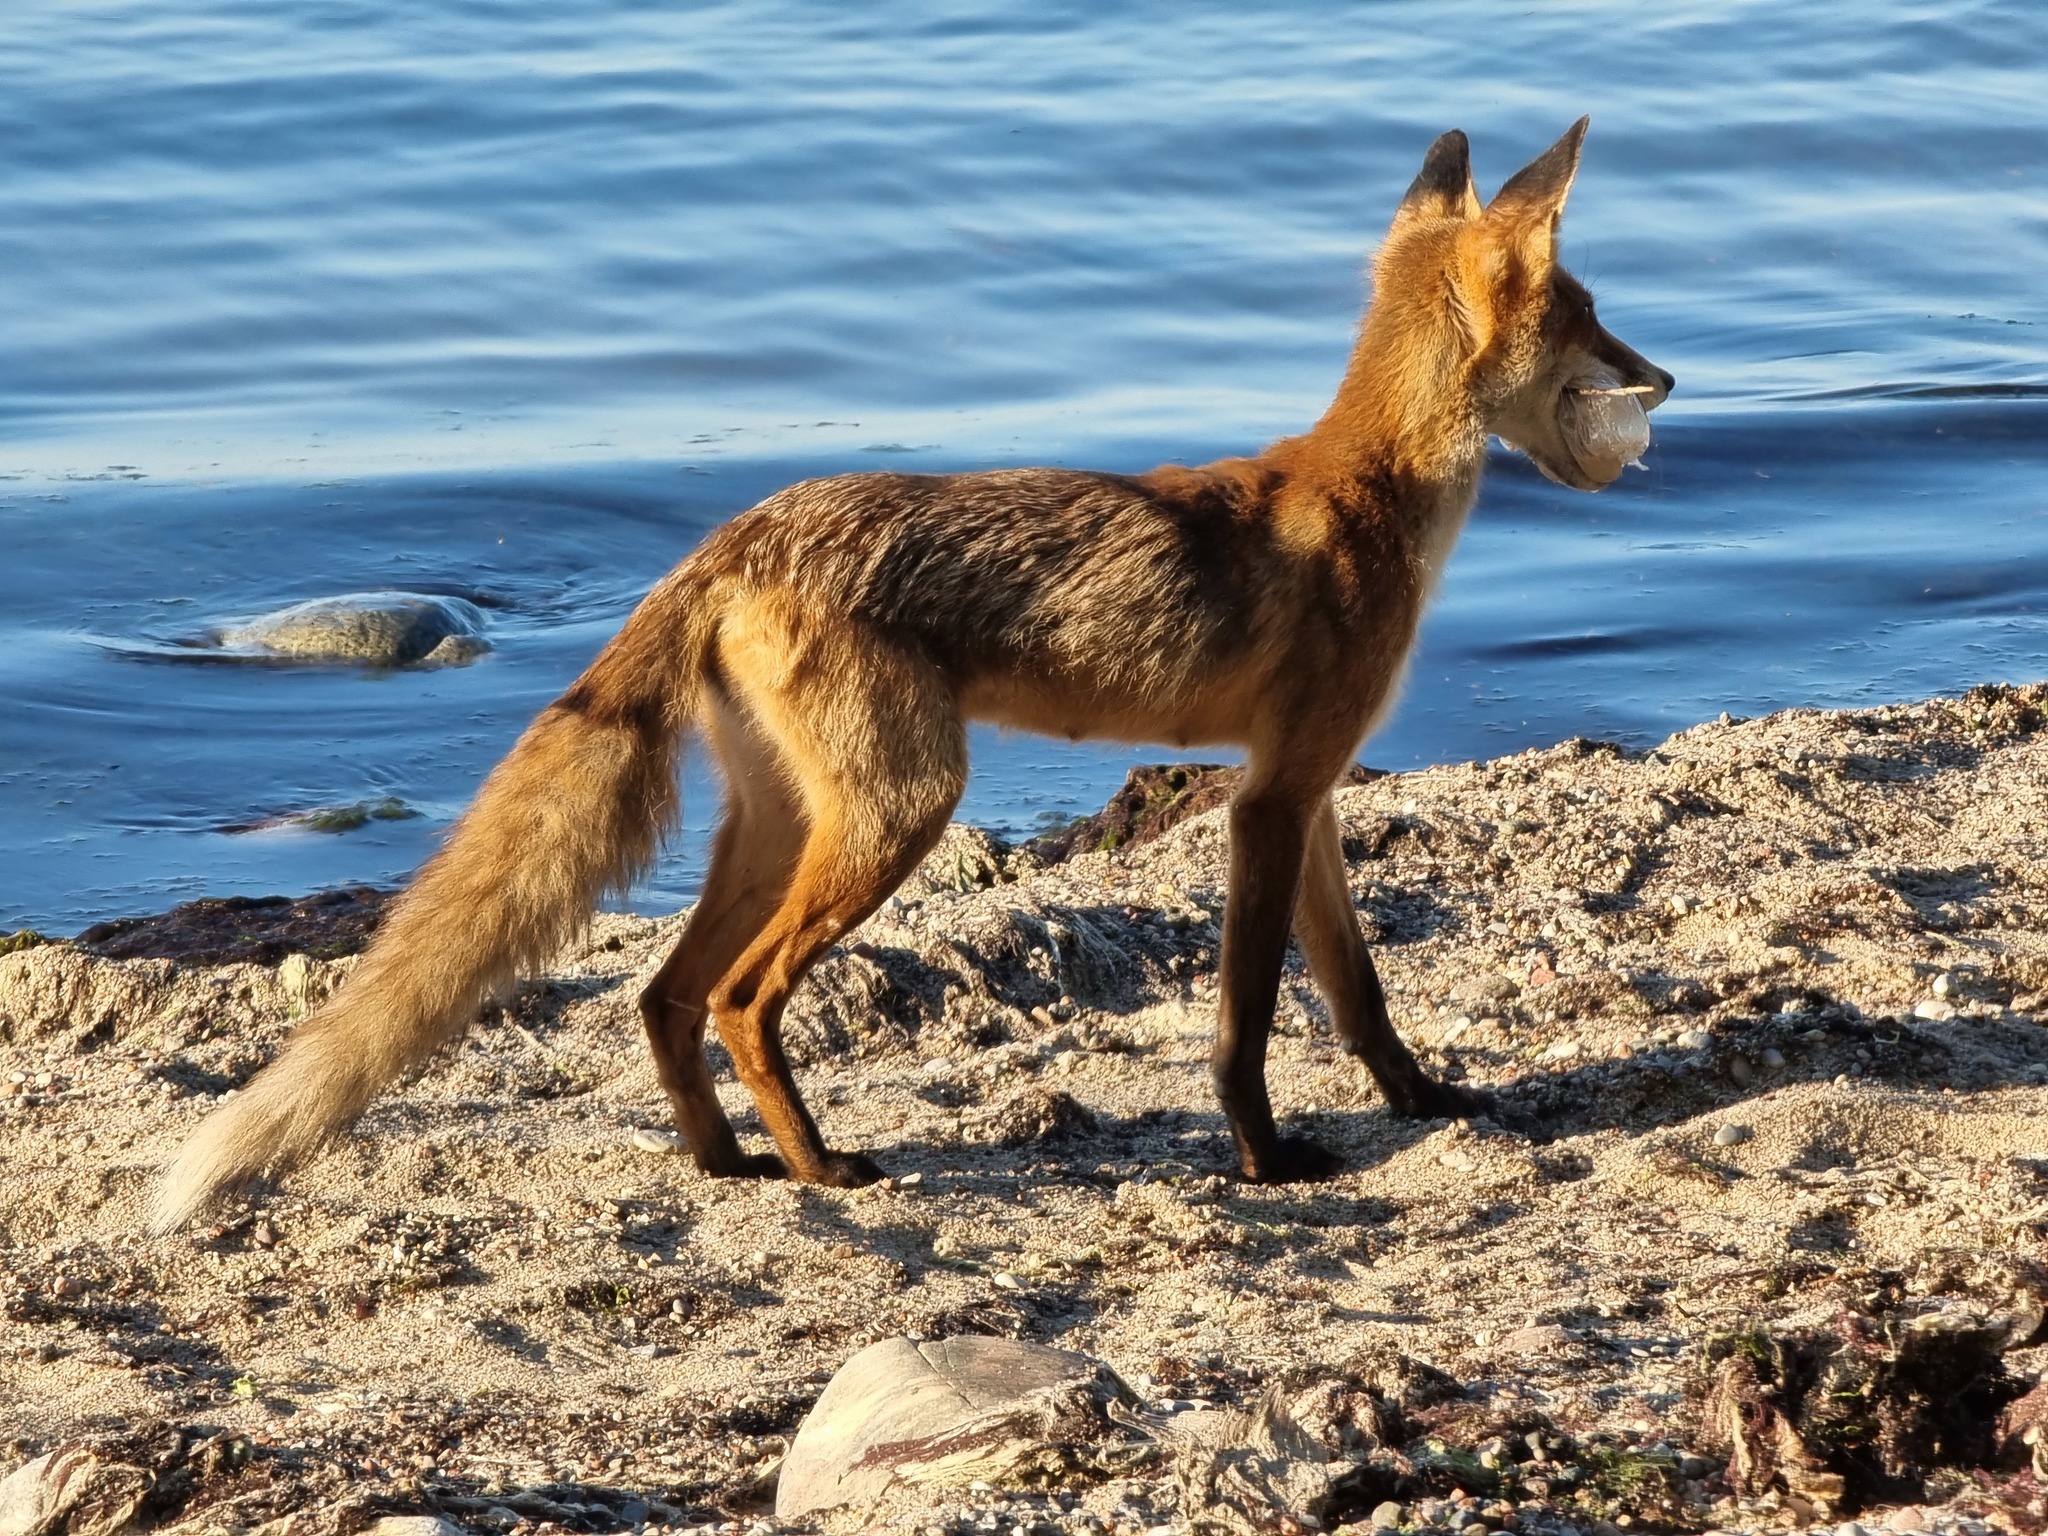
(578, 807)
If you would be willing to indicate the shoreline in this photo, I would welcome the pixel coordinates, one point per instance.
(1766, 1009)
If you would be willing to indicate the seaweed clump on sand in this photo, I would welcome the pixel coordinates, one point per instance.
(259, 930)
(1884, 1401)
(1155, 798)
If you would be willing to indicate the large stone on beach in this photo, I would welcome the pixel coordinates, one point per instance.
(372, 629)
(945, 1413)
(71, 1491)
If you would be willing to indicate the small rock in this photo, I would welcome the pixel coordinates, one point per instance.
(911, 1181)
(1732, 1135)
(1934, 1010)
(1682, 904)
(1850, 1528)
(1944, 984)
(1695, 1040)
(1908, 1517)
(1535, 1339)
(1773, 1058)
(1387, 1516)
(1740, 1072)
(1562, 1050)
(648, 1139)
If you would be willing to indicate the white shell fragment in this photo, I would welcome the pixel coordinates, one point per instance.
(1606, 426)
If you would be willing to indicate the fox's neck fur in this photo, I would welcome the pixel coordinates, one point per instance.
(1395, 447)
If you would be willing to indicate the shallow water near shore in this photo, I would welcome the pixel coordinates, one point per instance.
(494, 301)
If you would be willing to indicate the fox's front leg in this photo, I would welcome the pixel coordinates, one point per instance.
(1327, 927)
(1267, 830)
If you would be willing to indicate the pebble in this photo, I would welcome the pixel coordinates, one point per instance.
(1563, 1050)
(1740, 1072)
(1907, 1518)
(1536, 1338)
(1695, 1040)
(1944, 984)
(1005, 1281)
(1774, 1058)
(1387, 1516)
(1934, 1010)
(647, 1139)
(1732, 1135)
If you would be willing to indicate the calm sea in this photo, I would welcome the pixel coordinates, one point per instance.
(518, 299)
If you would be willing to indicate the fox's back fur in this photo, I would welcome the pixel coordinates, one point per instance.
(830, 643)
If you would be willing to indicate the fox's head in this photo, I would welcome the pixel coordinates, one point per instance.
(1541, 372)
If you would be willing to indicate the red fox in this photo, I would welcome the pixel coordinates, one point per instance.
(831, 643)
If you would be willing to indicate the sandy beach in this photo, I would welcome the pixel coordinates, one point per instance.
(1765, 1012)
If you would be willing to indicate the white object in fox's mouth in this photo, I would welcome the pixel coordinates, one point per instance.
(1606, 427)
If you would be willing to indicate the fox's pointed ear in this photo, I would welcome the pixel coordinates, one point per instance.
(1524, 214)
(1538, 189)
(1443, 189)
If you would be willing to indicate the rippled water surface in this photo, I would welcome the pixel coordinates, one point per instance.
(515, 301)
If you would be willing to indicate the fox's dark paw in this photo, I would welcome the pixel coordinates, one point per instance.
(756, 1165)
(1432, 1100)
(849, 1170)
(1295, 1160)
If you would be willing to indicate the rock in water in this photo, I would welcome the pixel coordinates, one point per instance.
(944, 1413)
(373, 629)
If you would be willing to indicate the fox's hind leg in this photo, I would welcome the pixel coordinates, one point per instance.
(753, 857)
(872, 738)
(1327, 929)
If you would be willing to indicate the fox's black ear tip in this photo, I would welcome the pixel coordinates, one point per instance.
(1451, 148)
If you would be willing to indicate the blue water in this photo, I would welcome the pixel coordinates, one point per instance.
(517, 300)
